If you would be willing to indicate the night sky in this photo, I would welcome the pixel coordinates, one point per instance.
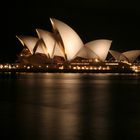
(91, 19)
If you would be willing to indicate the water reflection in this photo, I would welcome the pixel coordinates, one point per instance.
(72, 106)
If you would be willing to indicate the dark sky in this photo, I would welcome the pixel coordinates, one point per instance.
(91, 19)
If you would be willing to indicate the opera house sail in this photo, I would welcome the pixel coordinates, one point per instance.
(63, 50)
(68, 38)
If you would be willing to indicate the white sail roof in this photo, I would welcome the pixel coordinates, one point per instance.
(132, 55)
(57, 51)
(118, 55)
(100, 47)
(40, 47)
(48, 39)
(28, 41)
(71, 42)
(87, 53)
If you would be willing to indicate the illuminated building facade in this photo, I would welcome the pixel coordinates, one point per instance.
(64, 49)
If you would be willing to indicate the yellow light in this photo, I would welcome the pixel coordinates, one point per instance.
(9, 66)
(1, 66)
(28, 67)
(61, 68)
(5, 66)
(78, 68)
(96, 60)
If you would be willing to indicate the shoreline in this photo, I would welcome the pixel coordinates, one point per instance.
(66, 71)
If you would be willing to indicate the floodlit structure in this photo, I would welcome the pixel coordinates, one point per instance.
(118, 55)
(97, 49)
(33, 44)
(64, 42)
(129, 56)
(132, 55)
(64, 48)
(68, 39)
(100, 47)
(52, 46)
(28, 41)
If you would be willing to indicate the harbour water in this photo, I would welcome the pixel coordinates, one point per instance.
(70, 106)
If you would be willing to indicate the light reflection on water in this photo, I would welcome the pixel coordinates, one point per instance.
(70, 106)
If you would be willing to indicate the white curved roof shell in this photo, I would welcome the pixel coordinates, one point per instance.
(40, 47)
(57, 51)
(100, 47)
(48, 39)
(132, 55)
(71, 41)
(28, 41)
(118, 55)
(86, 53)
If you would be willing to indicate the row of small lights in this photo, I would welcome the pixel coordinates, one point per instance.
(88, 68)
(91, 68)
(9, 66)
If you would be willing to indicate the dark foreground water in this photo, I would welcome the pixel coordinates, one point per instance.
(60, 106)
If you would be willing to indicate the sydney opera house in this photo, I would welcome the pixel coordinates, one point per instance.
(63, 50)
